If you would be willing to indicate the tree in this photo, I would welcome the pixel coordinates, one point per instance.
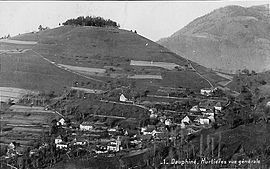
(91, 21)
(40, 28)
(246, 71)
(253, 72)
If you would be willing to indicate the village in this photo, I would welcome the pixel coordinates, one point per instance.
(163, 123)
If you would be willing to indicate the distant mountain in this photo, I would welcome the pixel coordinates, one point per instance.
(227, 39)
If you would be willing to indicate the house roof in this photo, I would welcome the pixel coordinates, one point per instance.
(87, 123)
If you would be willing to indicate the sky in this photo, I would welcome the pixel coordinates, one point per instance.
(152, 19)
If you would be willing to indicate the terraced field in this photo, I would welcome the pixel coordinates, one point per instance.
(84, 70)
(24, 124)
(15, 94)
(165, 65)
(145, 77)
(19, 42)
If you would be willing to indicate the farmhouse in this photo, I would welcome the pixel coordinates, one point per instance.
(114, 145)
(206, 91)
(79, 141)
(61, 122)
(148, 130)
(203, 120)
(195, 108)
(218, 107)
(86, 126)
(62, 146)
(58, 140)
(208, 113)
(123, 98)
(186, 119)
(168, 122)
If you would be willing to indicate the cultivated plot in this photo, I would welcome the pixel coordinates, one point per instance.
(165, 65)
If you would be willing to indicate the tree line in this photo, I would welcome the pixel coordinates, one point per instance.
(91, 21)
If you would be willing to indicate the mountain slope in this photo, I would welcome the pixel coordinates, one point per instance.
(27, 70)
(227, 39)
(71, 53)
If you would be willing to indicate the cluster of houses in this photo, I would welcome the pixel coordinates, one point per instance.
(89, 133)
(198, 117)
(15, 149)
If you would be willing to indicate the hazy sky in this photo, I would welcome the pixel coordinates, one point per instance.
(151, 19)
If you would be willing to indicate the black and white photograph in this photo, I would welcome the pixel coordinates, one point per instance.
(135, 84)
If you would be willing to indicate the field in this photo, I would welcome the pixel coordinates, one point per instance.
(24, 124)
(175, 79)
(7, 93)
(229, 77)
(19, 42)
(83, 69)
(30, 72)
(13, 51)
(145, 77)
(87, 90)
(165, 65)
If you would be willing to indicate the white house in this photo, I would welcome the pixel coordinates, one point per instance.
(202, 109)
(115, 145)
(143, 129)
(153, 115)
(186, 119)
(218, 106)
(211, 118)
(58, 140)
(123, 98)
(195, 108)
(86, 126)
(62, 146)
(182, 125)
(148, 131)
(152, 110)
(61, 122)
(168, 122)
(79, 141)
(208, 113)
(206, 91)
(11, 145)
(204, 121)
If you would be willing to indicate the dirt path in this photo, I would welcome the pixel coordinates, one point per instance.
(200, 74)
(66, 69)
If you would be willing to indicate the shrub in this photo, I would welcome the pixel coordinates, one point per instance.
(91, 21)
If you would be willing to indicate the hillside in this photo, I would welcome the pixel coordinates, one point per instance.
(107, 54)
(25, 69)
(227, 39)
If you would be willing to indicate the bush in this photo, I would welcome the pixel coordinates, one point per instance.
(91, 21)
